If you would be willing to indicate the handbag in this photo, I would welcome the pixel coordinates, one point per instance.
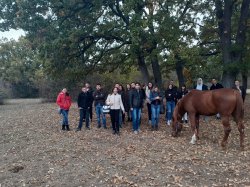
(105, 109)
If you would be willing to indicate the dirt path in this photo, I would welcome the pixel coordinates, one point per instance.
(35, 152)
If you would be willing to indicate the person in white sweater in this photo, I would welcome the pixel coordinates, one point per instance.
(114, 100)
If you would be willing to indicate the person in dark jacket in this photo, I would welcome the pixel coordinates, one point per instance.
(215, 85)
(182, 92)
(91, 91)
(122, 114)
(136, 102)
(99, 99)
(171, 97)
(241, 89)
(126, 103)
(84, 103)
(155, 100)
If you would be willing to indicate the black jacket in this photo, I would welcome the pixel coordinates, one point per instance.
(171, 94)
(84, 100)
(204, 87)
(99, 97)
(217, 86)
(136, 99)
(181, 93)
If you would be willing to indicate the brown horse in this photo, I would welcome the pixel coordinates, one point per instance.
(224, 101)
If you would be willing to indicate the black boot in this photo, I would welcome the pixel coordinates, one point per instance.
(67, 128)
(63, 127)
(156, 127)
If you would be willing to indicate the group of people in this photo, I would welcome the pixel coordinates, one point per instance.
(129, 102)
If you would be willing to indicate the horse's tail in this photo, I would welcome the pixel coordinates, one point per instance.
(239, 109)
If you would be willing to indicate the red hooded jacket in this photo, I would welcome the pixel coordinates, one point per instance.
(63, 101)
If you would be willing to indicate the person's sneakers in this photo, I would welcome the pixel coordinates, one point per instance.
(114, 132)
(168, 123)
(63, 127)
(67, 128)
(186, 121)
(135, 132)
(99, 126)
(87, 128)
(78, 129)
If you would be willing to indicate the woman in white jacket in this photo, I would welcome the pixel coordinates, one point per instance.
(114, 100)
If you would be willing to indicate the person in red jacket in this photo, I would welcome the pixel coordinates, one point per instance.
(64, 102)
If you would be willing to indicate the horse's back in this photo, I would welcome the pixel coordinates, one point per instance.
(223, 101)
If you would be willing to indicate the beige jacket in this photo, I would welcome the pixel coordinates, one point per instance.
(115, 102)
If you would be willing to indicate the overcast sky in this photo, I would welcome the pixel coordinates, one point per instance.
(12, 34)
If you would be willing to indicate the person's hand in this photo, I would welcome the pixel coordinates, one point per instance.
(131, 109)
(79, 107)
(123, 112)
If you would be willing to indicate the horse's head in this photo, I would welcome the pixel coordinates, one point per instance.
(176, 120)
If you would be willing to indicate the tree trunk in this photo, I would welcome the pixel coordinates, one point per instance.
(244, 79)
(143, 67)
(179, 69)
(156, 70)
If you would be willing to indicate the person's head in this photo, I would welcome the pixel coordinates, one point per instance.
(137, 86)
(115, 90)
(156, 89)
(128, 86)
(84, 89)
(199, 81)
(170, 86)
(132, 85)
(121, 88)
(150, 85)
(214, 81)
(98, 86)
(64, 90)
(117, 85)
(237, 83)
(183, 87)
(87, 85)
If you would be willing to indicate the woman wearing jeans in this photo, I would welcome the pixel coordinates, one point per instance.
(115, 102)
(171, 97)
(155, 98)
(64, 102)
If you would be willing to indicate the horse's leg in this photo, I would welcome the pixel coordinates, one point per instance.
(197, 125)
(193, 127)
(227, 130)
(241, 128)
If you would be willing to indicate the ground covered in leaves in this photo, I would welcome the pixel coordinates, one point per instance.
(35, 152)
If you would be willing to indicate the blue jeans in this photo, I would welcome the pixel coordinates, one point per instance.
(99, 114)
(170, 109)
(155, 109)
(83, 113)
(136, 117)
(65, 120)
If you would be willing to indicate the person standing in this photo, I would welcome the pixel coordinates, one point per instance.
(99, 99)
(136, 103)
(64, 102)
(122, 114)
(183, 91)
(126, 103)
(90, 91)
(241, 89)
(200, 85)
(84, 103)
(171, 97)
(114, 100)
(215, 85)
(155, 100)
(149, 89)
